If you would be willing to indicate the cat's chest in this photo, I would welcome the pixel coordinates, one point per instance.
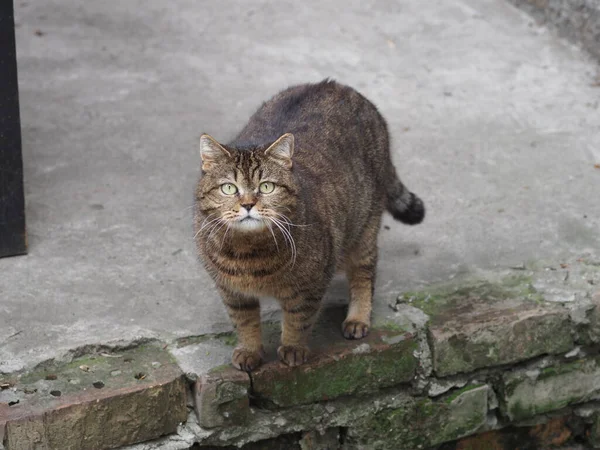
(253, 270)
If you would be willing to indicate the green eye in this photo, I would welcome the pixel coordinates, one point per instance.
(266, 187)
(228, 189)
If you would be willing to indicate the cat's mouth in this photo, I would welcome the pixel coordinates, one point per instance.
(249, 223)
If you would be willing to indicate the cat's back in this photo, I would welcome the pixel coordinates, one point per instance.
(314, 113)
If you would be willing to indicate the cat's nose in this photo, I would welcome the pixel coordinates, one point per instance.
(248, 206)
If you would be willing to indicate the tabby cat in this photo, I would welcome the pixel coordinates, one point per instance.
(298, 194)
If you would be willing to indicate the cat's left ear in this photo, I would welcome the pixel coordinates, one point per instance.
(282, 150)
(211, 152)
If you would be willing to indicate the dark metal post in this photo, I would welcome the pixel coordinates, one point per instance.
(13, 239)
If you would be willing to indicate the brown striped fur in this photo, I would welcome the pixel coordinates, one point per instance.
(326, 149)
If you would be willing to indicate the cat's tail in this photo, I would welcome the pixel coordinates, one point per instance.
(402, 204)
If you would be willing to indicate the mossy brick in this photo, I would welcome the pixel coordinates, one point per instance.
(320, 440)
(221, 397)
(385, 358)
(98, 401)
(594, 316)
(527, 395)
(594, 432)
(485, 324)
(422, 422)
(553, 433)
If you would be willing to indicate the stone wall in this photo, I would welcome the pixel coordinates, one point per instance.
(466, 363)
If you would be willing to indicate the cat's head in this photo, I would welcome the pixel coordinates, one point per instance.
(248, 189)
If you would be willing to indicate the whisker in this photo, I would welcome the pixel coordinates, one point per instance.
(212, 222)
(288, 237)
(220, 224)
(287, 220)
(203, 224)
(273, 234)
(281, 229)
(224, 236)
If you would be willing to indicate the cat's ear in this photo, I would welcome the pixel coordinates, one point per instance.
(211, 152)
(282, 150)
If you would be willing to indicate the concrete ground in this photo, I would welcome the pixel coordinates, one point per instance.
(495, 124)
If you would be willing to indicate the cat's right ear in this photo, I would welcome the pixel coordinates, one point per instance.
(211, 152)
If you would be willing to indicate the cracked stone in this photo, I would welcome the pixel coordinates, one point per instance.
(68, 414)
(489, 323)
(554, 388)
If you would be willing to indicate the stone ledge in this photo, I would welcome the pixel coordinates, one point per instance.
(101, 401)
(528, 393)
(457, 414)
(421, 423)
(506, 318)
(385, 358)
(443, 363)
(472, 333)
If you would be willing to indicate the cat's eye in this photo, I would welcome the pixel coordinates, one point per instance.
(228, 188)
(266, 187)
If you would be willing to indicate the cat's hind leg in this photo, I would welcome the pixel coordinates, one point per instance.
(361, 265)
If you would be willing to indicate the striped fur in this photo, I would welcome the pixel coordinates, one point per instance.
(333, 179)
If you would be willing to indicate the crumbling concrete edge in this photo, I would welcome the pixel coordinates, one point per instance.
(576, 20)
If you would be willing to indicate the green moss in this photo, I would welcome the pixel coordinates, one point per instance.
(219, 369)
(458, 392)
(392, 327)
(422, 422)
(553, 371)
(594, 435)
(435, 300)
(229, 391)
(569, 383)
(460, 354)
(96, 363)
(467, 305)
(328, 379)
(408, 425)
(228, 338)
(116, 369)
(520, 411)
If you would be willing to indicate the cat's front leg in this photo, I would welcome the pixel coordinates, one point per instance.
(244, 312)
(300, 311)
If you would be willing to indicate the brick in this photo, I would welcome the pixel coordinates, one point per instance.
(221, 397)
(315, 440)
(486, 324)
(199, 358)
(551, 434)
(422, 422)
(594, 317)
(594, 432)
(527, 394)
(385, 358)
(121, 410)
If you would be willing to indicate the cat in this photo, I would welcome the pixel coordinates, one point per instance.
(298, 194)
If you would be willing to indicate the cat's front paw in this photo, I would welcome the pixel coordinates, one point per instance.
(245, 359)
(354, 329)
(293, 355)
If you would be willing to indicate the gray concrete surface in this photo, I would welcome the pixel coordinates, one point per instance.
(495, 123)
(576, 20)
